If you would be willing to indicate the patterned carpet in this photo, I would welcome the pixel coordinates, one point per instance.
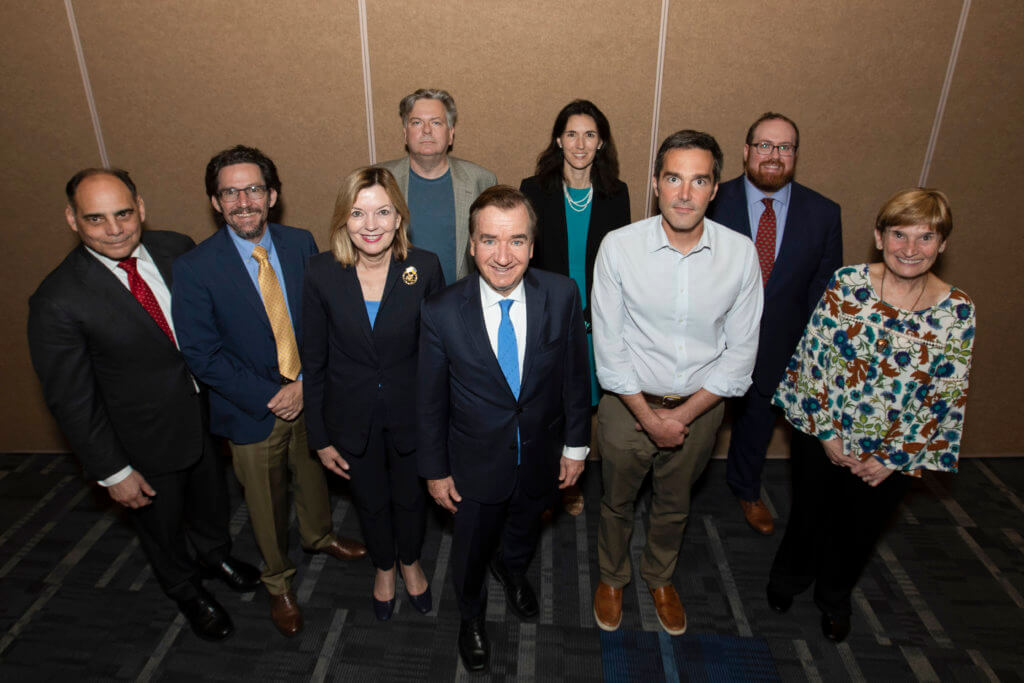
(940, 601)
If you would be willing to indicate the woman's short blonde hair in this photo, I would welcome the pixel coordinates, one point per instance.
(362, 178)
(917, 206)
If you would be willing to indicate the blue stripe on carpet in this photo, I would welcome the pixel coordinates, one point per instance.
(644, 656)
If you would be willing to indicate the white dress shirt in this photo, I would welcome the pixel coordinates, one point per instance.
(490, 301)
(665, 322)
(151, 275)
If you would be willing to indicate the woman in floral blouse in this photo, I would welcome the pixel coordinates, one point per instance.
(876, 391)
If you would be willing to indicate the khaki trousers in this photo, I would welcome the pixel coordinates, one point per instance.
(626, 457)
(263, 470)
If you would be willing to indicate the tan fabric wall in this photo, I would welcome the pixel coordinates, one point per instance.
(175, 82)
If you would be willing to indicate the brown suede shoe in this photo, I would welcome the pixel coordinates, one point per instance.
(572, 500)
(344, 549)
(607, 607)
(671, 614)
(284, 610)
(758, 516)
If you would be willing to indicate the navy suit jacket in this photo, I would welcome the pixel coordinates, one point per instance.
(225, 334)
(811, 250)
(348, 368)
(551, 246)
(119, 389)
(468, 415)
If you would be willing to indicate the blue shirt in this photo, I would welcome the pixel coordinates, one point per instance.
(432, 219)
(371, 311)
(755, 207)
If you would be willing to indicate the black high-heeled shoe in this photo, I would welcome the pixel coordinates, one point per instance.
(383, 609)
(422, 602)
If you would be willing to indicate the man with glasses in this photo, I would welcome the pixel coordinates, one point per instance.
(236, 307)
(798, 236)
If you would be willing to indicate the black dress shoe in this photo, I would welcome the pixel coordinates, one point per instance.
(835, 628)
(422, 602)
(474, 648)
(778, 601)
(518, 592)
(383, 609)
(237, 575)
(207, 618)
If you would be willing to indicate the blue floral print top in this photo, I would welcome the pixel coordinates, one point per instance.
(890, 383)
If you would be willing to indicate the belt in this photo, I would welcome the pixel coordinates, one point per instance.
(666, 401)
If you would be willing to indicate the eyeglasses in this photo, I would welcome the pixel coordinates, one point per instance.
(230, 194)
(765, 148)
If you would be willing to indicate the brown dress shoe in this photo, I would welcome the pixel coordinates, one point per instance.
(344, 549)
(572, 500)
(607, 607)
(671, 614)
(284, 610)
(758, 516)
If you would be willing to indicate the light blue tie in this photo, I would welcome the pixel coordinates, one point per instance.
(508, 356)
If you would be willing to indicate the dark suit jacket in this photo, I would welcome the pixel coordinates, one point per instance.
(811, 250)
(551, 246)
(348, 367)
(468, 415)
(224, 332)
(119, 389)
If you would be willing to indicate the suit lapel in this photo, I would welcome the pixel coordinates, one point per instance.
(352, 295)
(472, 314)
(292, 265)
(162, 260)
(234, 271)
(536, 313)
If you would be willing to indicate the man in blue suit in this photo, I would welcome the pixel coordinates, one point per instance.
(504, 407)
(798, 235)
(236, 308)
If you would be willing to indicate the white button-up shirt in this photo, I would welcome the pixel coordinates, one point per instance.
(673, 323)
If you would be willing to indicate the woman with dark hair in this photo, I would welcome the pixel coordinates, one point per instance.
(876, 392)
(579, 199)
(361, 321)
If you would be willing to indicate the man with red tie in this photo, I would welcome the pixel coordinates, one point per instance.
(798, 236)
(104, 347)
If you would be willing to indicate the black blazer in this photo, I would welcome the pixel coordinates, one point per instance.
(468, 415)
(551, 246)
(119, 389)
(812, 249)
(347, 367)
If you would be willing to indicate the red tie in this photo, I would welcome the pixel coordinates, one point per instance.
(142, 292)
(765, 242)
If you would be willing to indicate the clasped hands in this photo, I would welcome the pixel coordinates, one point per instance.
(665, 429)
(870, 471)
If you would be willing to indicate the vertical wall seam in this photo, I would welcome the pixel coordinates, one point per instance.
(662, 35)
(104, 159)
(944, 95)
(364, 40)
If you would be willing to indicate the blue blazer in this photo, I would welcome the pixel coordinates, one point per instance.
(811, 250)
(224, 332)
(468, 415)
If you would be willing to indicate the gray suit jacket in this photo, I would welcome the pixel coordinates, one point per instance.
(468, 181)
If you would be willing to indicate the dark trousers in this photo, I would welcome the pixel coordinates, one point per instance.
(389, 498)
(833, 527)
(753, 419)
(190, 507)
(511, 526)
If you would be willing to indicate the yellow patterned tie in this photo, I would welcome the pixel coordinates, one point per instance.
(273, 300)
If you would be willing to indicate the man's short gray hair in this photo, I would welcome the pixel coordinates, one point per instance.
(407, 103)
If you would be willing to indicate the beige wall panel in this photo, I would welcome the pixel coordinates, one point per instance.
(177, 82)
(977, 163)
(859, 82)
(46, 136)
(511, 66)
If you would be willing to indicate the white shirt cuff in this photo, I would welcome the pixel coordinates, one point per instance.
(575, 452)
(116, 477)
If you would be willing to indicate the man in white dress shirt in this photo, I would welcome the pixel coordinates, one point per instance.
(676, 309)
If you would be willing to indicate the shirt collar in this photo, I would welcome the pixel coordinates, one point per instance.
(489, 297)
(140, 253)
(657, 239)
(245, 247)
(754, 195)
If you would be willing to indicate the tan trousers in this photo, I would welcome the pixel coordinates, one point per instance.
(263, 469)
(626, 457)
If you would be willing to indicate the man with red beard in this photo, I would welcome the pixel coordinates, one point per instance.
(798, 235)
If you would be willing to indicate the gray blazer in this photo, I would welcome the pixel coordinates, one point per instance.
(468, 181)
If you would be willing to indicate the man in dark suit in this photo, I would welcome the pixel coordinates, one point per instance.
(102, 343)
(237, 309)
(504, 407)
(798, 235)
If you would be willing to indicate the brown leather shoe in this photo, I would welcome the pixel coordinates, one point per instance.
(758, 516)
(671, 614)
(344, 549)
(607, 607)
(284, 610)
(572, 500)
